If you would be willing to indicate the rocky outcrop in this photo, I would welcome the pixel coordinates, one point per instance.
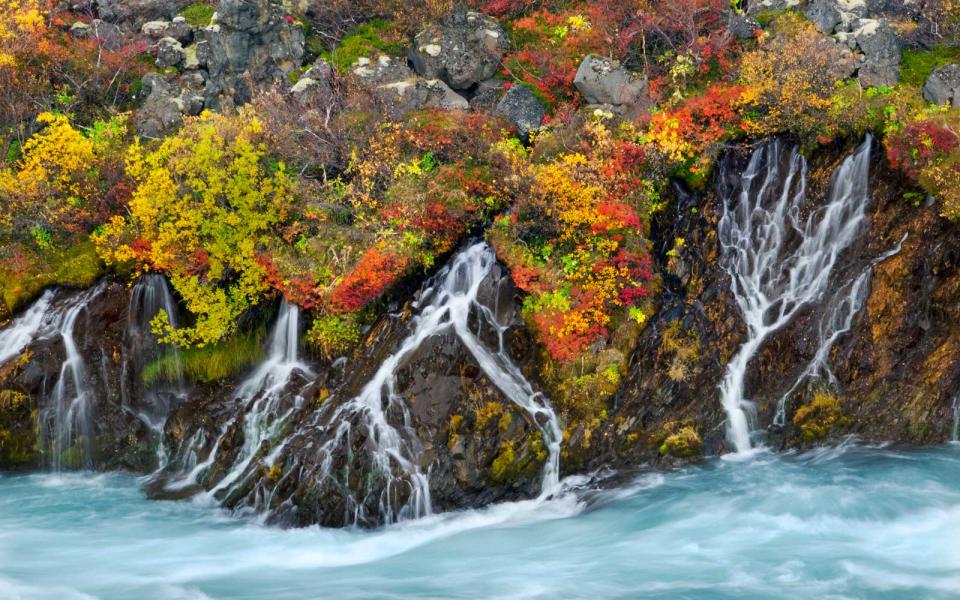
(943, 86)
(463, 51)
(132, 14)
(253, 45)
(105, 432)
(401, 91)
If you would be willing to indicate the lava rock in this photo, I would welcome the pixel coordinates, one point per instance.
(879, 49)
(522, 109)
(943, 86)
(169, 53)
(132, 14)
(463, 51)
(825, 15)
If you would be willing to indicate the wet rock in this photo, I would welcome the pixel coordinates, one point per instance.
(605, 81)
(463, 51)
(522, 109)
(943, 86)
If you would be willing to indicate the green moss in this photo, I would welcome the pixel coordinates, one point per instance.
(333, 335)
(821, 417)
(502, 470)
(363, 42)
(199, 14)
(764, 18)
(685, 443)
(75, 265)
(210, 363)
(916, 65)
(18, 435)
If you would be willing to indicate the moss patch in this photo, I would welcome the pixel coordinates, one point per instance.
(18, 434)
(363, 42)
(199, 14)
(75, 265)
(916, 65)
(821, 417)
(207, 364)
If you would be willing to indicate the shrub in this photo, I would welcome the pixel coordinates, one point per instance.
(205, 199)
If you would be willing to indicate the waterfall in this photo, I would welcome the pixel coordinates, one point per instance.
(68, 415)
(779, 263)
(445, 306)
(835, 322)
(22, 330)
(262, 392)
(149, 296)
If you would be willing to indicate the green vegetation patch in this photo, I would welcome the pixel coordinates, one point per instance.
(75, 265)
(362, 42)
(199, 14)
(916, 65)
(214, 362)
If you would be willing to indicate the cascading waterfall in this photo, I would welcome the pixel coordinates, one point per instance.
(22, 330)
(445, 306)
(68, 416)
(778, 263)
(261, 393)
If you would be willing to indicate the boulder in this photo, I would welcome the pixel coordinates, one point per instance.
(743, 27)
(155, 29)
(399, 88)
(463, 51)
(605, 81)
(943, 86)
(759, 6)
(170, 53)
(877, 43)
(825, 15)
(108, 33)
(162, 110)
(522, 109)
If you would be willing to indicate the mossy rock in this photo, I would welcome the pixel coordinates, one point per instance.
(18, 430)
(821, 417)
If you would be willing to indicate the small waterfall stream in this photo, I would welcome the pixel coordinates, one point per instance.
(779, 263)
(68, 419)
(22, 330)
(262, 392)
(149, 296)
(445, 306)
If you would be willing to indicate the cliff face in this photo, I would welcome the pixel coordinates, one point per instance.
(889, 374)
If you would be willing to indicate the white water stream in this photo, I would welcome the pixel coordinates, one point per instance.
(445, 307)
(22, 330)
(779, 263)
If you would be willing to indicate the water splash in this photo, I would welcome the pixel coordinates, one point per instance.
(445, 306)
(22, 330)
(777, 262)
(68, 416)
